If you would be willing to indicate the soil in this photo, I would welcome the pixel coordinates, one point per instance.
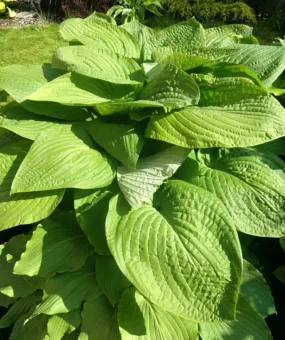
(22, 19)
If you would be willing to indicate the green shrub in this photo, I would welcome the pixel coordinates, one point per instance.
(139, 161)
(211, 10)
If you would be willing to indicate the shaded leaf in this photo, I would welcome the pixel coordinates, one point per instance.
(110, 279)
(65, 292)
(21, 306)
(26, 208)
(121, 141)
(57, 245)
(256, 291)
(141, 319)
(99, 321)
(11, 284)
(248, 325)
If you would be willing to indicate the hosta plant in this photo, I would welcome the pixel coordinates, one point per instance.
(5, 10)
(138, 159)
(131, 10)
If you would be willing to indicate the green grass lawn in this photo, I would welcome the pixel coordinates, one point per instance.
(32, 44)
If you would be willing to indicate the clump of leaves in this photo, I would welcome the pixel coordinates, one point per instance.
(6, 10)
(137, 157)
(131, 10)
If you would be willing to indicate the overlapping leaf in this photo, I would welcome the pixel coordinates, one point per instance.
(99, 64)
(57, 245)
(233, 112)
(182, 254)
(101, 35)
(140, 319)
(47, 164)
(63, 324)
(22, 122)
(11, 284)
(21, 306)
(172, 87)
(91, 207)
(248, 325)
(99, 320)
(23, 208)
(256, 291)
(110, 279)
(21, 81)
(66, 292)
(139, 185)
(250, 184)
(122, 141)
(266, 61)
(79, 90)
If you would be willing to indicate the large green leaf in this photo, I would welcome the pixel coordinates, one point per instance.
(172, 87)
(256, 291)
(63, 157)
(75, 89)
(266, 61)
(99, 64)
(99, 321)
(101, 35)
(57, 245)
(21, 81)
(22, 122)
(20, 307)
(91, 207)
(140, 32)
(110, 279)
(139, 319)
(222, 36)
(11, 284)
(122, 141)
(65, 292)
(62, 324)
(230, 88)
(249, 325)
(138, 186)
(188, 32)
(193, 268)
(188, 50)
(226, 70)
(235, 113)
(26, 208)
(250, 184)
